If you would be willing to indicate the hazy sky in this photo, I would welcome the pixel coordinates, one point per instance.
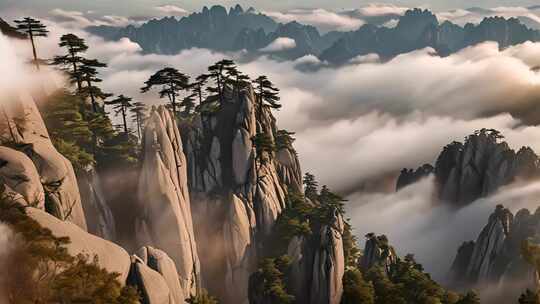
(143, 7)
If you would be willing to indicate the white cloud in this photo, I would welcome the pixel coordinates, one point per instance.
(77, 19)
(171, 10)
(323, 19)
(280, 44)
(462, 16)
(381, 9)
(414, 223)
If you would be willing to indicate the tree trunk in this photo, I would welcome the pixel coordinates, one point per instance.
(31, 34)
(125, 122)
(92, 97)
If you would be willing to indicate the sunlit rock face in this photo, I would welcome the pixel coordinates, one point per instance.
(163, 212)
(495, 257)
(21, 177)
(152, 287)
(109, 255)
(465, 172)
(235, 198)
(98, 213)
(23, 129)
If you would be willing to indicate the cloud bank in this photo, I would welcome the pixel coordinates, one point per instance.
(280, 44)
(171, 10)
(323, 19)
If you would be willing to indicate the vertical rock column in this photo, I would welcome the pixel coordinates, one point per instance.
(163, 211)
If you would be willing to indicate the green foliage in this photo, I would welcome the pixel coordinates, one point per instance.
(355, 289)
(469, 298)
(202, 298)
(284, 140)
(42, 271)
(351, 251)
(529, 297)
(311, 186)
(217, 73)
(69, 130)
(269, 280)
(72, 60)
(264, 146)
(267, 94)
(121, 106)
(170, 82)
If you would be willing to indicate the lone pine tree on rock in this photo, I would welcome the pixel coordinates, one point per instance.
(33, 28)
(121, 105)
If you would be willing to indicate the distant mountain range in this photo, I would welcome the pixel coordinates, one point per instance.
(217, 29)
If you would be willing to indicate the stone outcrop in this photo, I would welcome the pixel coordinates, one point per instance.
(318, 265)
(19, 174)
(237, 194)
(378, 252)
(409, 176)
(110, 256)
(495, 257)
(159, 261)
(163, 211)
(465, 172)
(23, 129)
(150, 284)
(98, 213)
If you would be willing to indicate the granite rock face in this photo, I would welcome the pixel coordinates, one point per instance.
(318, 265)
(378, 252)
(25, 131)
(236, 198)
(98, 213)
(20, 175)
(164, 211)
(409, 176)
(495, 256)
(110, 256)
(150, 284)
(465, 172)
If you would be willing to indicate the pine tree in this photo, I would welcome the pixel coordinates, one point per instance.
(33, 28)
(139, 111)
(171, 82)
(217, 72)
(236, 78)
(188, 105)
(121, 106)
(197, 87)
(311, 186)
(355, 289)
(267, 94)
(71, 62)
(89, 75)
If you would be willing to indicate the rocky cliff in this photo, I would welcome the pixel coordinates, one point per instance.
(163, 209)
(236, 198)
(495, 257)
(477, 168)
(27, 146)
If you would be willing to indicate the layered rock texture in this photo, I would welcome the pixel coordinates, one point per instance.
(377, 252)
(164, 213)
(236, 198)
(465, 172)
(495, 257)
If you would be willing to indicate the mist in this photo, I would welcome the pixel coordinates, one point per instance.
(416, 223)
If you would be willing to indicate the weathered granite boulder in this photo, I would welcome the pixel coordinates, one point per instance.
(164, 265)
(164, 211)
(150, 284)
(28, 134)
(378, 252)
(110, 256)
(19, 173)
